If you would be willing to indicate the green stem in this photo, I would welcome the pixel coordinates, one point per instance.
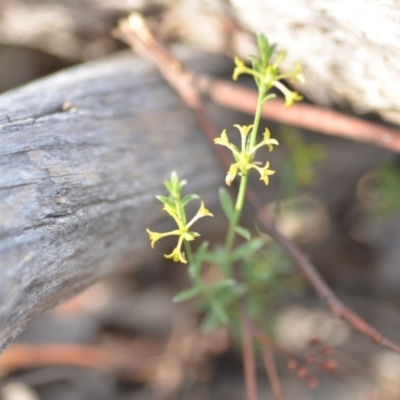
(189, 252)
(243, 183)
(180, 210)
(236, 216)
(262, 91)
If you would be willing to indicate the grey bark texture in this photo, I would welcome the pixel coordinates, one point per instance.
(82, 155)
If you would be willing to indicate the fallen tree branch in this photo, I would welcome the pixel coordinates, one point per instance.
(82, 155)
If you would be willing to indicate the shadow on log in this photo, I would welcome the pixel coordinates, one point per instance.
(83, 153)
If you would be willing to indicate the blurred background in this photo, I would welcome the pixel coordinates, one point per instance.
(123, 338)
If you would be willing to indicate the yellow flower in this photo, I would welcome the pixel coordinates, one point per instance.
(230, 176)
(241, 68)
(245, 156)
(223, 139)
(244, 129)
(201, 212)
(267, 141)
(290, 96)
(244, 132)
(183, 232)
(177, 255)
(297, 74)
(154, 236)
(264, 172)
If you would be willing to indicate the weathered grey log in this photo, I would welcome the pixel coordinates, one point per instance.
(82, 155)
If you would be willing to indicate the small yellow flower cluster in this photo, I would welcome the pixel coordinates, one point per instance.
(245, 156)
(269, 76)
(174, 206)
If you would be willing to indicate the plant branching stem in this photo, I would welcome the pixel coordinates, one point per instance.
(233, 223)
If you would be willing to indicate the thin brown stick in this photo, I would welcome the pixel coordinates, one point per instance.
(182, 81)
(270, 368)
(322, 289)
(303, 115)
(135, 363)
(249, 361)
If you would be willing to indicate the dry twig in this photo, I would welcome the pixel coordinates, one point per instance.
(133, 364)
(306, 116)
(249, 362)
(270, 368)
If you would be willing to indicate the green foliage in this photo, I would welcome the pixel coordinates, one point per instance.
(261, 273)
(299, 167)
(379, 191)
(247, 266)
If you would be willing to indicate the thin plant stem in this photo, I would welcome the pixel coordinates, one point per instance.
(257, 117)
(236, 216)
(270, 368)
(245, 178)
(189, 252)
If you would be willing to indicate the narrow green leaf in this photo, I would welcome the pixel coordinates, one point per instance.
(219, 311)
(263, 47)
(243, 232)
(226, 203)
(187, 294)
(188, 198)
(270, 52)
(201, 252)
(222, 284)
(255, 63)
(198, 259)
(174, 184)
(268, 97)
(166, 200)
(247, 249)
(218, 256)
(192, 269)
(210, 322)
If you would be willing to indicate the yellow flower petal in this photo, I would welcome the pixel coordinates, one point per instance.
(244, 129)
(172, 212)
(297, 74)
(176, 256)
(154, 236)
(201, 212)
(230, 176)
(223, 139)
(238, 69)
(265, 172)
(290, 97)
